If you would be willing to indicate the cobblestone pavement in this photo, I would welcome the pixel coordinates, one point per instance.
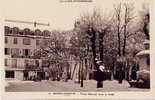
(70, 86)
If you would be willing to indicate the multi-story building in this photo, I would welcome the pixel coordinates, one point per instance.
(20, 46)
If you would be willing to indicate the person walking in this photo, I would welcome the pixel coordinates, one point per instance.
(100, 74)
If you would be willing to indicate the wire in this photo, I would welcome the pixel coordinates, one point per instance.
(27, 22)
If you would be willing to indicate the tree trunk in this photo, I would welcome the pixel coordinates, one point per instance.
(93, 41)
(125, 26)
(86, 69)
(124, 47)
(79, 74)
(124, 42)
(119, 39)
(101, 45)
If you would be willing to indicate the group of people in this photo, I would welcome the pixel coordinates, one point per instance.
(102, 73)
(31, 76)
(63, 77)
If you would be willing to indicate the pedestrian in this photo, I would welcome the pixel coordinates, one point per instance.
(133, 73)
(100, 74)
(58, 77)
(120, 76)
(64, 76)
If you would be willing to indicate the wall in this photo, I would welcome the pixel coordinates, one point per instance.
(19, 75)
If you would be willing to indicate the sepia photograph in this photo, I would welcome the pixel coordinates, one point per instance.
(77, 46)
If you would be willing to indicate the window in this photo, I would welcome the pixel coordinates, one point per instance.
(26, 63)
(26, 52)
(147, 46)
(15, 30)
(7, 51)
(15, 41)
(9, 74)
(37, 63)
(14, 63)
(7, 30)
(15, 52)
(29, 64)
(6, 62)
(6, 40)
(37, 42)
(45, 63)
(26, 41)
(27, 31)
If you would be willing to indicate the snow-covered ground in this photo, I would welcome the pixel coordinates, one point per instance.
(59, 86)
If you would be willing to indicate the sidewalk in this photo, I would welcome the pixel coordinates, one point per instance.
(9, 82)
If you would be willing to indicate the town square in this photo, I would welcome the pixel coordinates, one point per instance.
(101, 47)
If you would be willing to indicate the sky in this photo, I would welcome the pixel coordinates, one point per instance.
(60, 15)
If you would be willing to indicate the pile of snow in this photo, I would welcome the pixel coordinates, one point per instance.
(144, 52)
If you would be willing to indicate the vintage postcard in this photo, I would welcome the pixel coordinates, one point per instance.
(77, 49)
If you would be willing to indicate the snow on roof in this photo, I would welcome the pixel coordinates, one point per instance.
(146, 42)
(143, 52)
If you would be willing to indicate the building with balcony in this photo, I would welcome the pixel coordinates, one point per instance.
(20, 60)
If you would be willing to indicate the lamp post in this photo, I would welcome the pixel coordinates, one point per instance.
(82, 73)
(81, 63)
(84, 54)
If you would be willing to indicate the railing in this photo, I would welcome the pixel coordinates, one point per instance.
(32, 67)
(26, 67)
(31, 57)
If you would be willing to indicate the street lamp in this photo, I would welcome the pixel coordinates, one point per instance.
(84, 54)
(82, 72)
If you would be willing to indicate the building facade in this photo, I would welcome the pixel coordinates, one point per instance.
(21, 63)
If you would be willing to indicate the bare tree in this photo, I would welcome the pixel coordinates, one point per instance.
(118, 11)
(128, 17)
(124, 19)
(93, 28)
(124, 16)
